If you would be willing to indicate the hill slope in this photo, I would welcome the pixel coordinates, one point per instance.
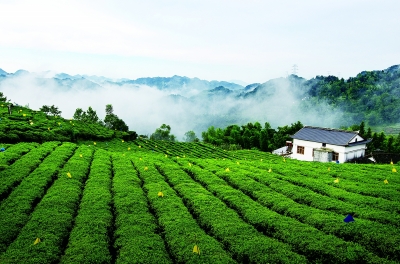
(119, 201)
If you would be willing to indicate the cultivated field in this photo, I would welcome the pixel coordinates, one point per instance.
(162, 202)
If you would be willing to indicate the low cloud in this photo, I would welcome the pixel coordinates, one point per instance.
(145, 108)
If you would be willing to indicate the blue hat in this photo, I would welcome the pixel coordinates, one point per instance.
(349, 218)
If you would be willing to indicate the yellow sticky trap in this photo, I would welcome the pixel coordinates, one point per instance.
(391, 162)
(386, 181)
(23, 114)
(145, 168)
(140, 146)
(140, 158)
(394, 169)
(196, 249)
(329, 168)
(59, 123)
(37, 241)
(69, 175)
(160, 194)
(129, 148)
(48, 128)
(336, 181)
(94, 143)
(177, 157)
(31, 123)
(227, 170)
(80, 155)
(260, 159)
(122, 141)
(284, 160)
(166, 156)
(190, 164)
(237, 162)
(270, 170)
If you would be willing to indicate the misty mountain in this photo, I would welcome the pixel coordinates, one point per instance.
(3, 73)
(171, 83)
(77, 84)
(194, 104)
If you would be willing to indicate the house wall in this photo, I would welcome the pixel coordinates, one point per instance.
(345, 153)
(356, 138)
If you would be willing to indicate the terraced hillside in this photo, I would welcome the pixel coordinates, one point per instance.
(161, 202)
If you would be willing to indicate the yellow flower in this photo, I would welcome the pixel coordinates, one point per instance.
(69, 175)
(37, 241)
(160, 194)
(227, 170)
(386, 181)
(145, 168)
(196, 249)
(336, 181)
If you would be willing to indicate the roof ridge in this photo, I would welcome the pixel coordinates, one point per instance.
(332, 129)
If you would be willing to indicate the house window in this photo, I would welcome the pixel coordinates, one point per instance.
(300, 150)
(335, 156)
(323, 144)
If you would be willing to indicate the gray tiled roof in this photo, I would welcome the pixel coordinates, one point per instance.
(325, 135)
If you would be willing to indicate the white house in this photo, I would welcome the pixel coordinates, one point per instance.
(326, 144)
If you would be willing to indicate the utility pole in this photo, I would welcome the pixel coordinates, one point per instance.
(294, 69)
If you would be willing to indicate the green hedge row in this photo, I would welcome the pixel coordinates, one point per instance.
(305, 196)
(317, 246)
(317, 186)
(181, 231)
(89, 240)
(23, 167)
(15, 210)
(52, 219)
(241, 239)
(383, 240)
(137, 239)
(14, 152)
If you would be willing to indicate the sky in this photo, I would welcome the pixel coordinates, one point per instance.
(245, 41)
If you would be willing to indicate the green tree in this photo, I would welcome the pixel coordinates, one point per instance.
(112, 121)
(54, 110)
(2, 97)
(190, 136)
(163, 133)
(91, 115)
(45, 109)
(78, 115)
(362, 130)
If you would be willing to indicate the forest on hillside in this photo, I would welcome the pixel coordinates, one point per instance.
(371, 96)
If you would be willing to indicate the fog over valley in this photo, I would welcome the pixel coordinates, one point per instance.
(183, 103)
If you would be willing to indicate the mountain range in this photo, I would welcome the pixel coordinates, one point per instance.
(371, 96)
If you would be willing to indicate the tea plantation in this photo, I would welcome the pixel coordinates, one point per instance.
(159, 202)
